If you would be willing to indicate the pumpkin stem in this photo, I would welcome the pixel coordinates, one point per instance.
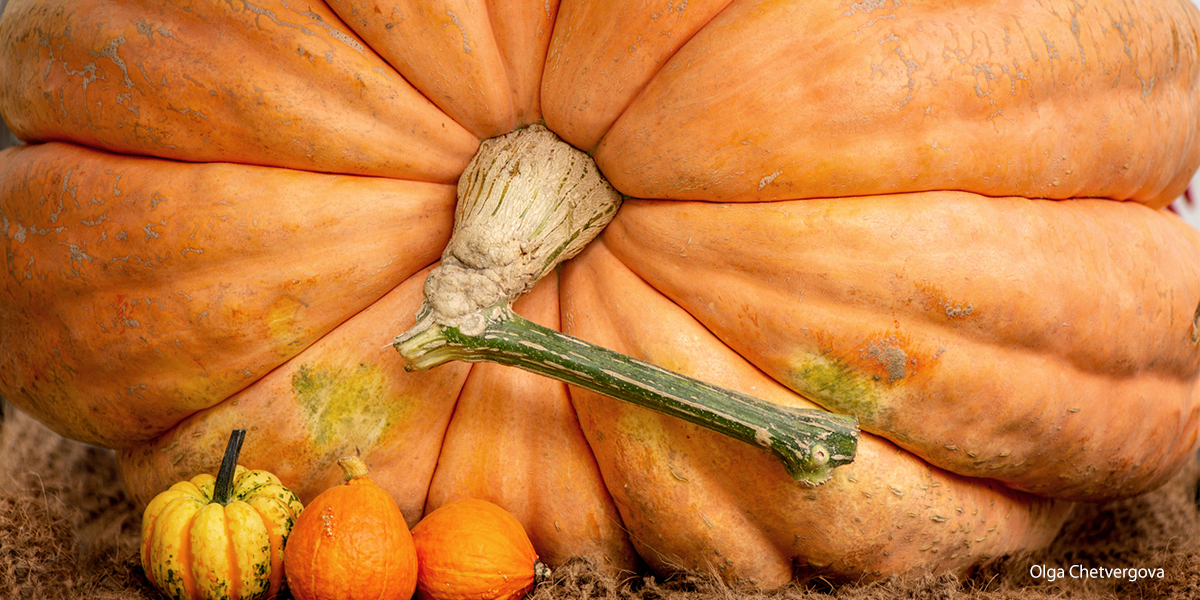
(223, 487)
(353, 467)
(527, 202)
(540, 572)
(809, 442)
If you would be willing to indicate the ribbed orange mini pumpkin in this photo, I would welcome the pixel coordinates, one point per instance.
(474, 550)
(351, 543)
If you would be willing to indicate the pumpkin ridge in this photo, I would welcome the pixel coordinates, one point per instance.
(363, 117)
(858, 497)
(657, 35)
(183, 563)
(503, 64)
(233, 569)
(944, 333)
(508, 69)
(148, 525)
(268, 284)
(274, 540)
(851, 116)
(162, 525)
(243, 489)
(507, 417)
(634, 237)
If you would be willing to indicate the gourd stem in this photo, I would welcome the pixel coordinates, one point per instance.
(541, 572)
(353, 467)
(809, 442)
(223, 488)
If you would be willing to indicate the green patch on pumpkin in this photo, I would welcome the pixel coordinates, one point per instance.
(345, 404)
(835, 386)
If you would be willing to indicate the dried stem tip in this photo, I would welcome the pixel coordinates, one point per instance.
(352, 467)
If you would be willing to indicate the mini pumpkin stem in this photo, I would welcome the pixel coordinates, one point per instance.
(223, 487)
(353, 467)
(527, 202)
(540, 572)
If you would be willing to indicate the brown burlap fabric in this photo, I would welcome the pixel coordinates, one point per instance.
(68, 531)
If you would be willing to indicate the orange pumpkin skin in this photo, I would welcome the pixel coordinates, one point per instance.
(135, 315)
(145, 226)
(215, 340)
(392, 131)
(888, 512)
(878, 98)
(919, 356)
(473, 550)
(351, 543)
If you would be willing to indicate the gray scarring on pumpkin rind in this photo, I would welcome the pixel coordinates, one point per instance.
(526, 202)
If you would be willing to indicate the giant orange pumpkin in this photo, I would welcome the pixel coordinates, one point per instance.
(942, 219)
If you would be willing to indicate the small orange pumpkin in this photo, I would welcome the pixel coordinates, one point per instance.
(474, 550)
(351, 543)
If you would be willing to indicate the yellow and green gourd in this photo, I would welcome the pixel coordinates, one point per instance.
(219, 537)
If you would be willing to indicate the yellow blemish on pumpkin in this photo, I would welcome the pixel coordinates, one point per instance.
(346, 403)
(283, 321)
(834, 385)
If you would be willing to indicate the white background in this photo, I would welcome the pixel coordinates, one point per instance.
(1191, 211)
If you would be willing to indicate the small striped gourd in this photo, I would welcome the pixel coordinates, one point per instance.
(219, 537)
